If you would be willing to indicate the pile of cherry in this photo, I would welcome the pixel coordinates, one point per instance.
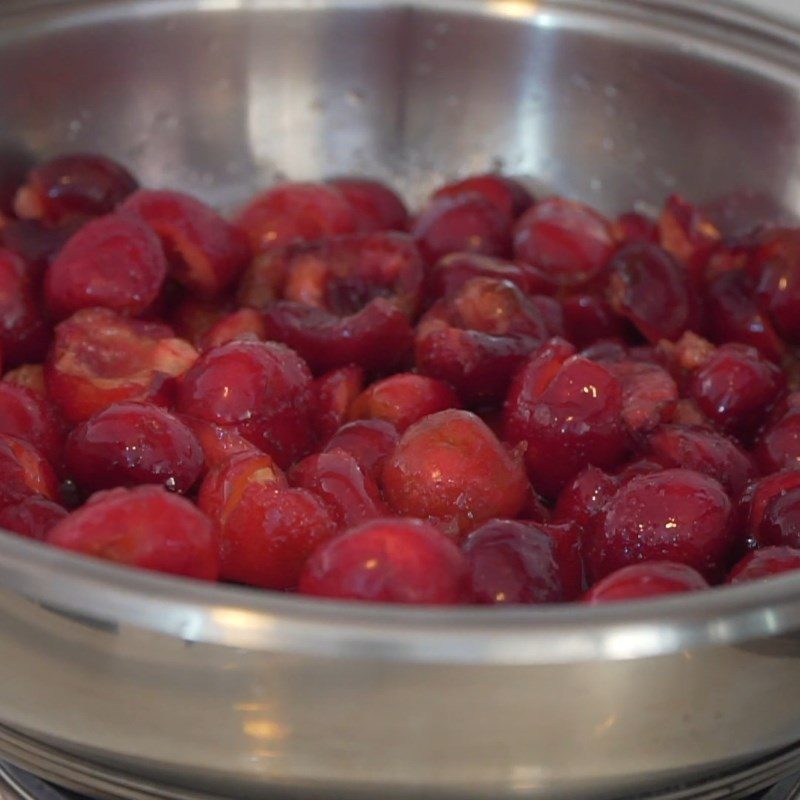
(499, 400)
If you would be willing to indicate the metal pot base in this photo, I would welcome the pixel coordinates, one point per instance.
(93, 780)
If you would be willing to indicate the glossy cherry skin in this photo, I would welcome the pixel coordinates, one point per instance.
(260, 390)
(567, 410)
(651, 289)
(465, 223)
(765, 563)
(512, 563)
(779, 444)
(24, 335)
(368, 441)
(32, 517)
(145, 527)
(635, 227)
(206, 253)
(226, 482)
(776, 272)
(585, 496)
(29, 415)
(332, 395)
(375, 206)
(509, 196)
(388, 561)
(451, 468)
(350, 495)
(674, 515)
(755, 500)
(736, 388)
(132, 443)
(73, 186)
(99, 358)
(645, 581)
(588, 318)
(270, 534)
(403, 399)
(115, 262)
(734, 315)
(704, 451)
(476, 339)
(780, 522)
(457, 269)
(24, 471)
(218, 444)
(568, 241)
(294, 212)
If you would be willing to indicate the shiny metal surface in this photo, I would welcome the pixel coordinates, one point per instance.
(764, 780)
(242, 694)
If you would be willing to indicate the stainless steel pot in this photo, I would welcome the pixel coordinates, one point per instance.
(237, 692)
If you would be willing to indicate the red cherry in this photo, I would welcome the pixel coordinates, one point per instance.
(294, 212)
(765, 563)
(350, 495)
(133, 443)
(509, 196)
(567, 410)
(100, 358)
(569, 242)
(206, 253)
(651, 289)
(644, 581)
(453, 271)
(635, 227)
(227, 481)
(32, 517)
(24, 336)
(219, 444)
(734, 315)
(704, 451)
(145, 527)
(260, 390)
(465, 223)
(270, 534)
(388, 561)
(375, 206)
(736, 388)
(476, 339)
(24, 472)
(115, 262)
(775, 270)
(403, 399)
(675, 515)
(29, 415)
(368, 441)
(757, 497)
(779, 445)
(451, 468)
(512, 563)
(73, 186)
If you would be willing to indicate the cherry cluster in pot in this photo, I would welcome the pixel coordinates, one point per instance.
(500, 400)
